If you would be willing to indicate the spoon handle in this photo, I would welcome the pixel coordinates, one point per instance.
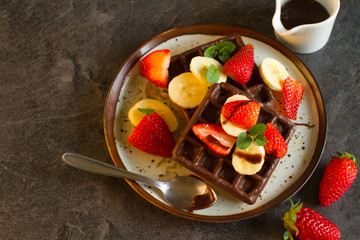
(95, 166)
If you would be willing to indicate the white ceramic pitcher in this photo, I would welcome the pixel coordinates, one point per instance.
(306, 38)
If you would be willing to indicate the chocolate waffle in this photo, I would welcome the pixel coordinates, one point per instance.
(218, 170)
(255, 86)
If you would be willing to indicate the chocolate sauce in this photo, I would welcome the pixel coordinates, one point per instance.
(256, 158)
(202, 201)
(212, 139)
(305, 124)
(299, 12)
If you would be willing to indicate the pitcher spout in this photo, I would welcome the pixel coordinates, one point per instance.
(276, 21)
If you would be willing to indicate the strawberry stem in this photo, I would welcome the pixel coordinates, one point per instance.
(290, 218)
(347, 155)
(146, 111)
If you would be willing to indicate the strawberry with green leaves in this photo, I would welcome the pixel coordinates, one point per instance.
(240, 66)
(338, 176)
(293, 92)
(307, 224)
(152, 135)
(154, 67)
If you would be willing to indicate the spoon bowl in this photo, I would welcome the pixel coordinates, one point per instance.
(182, 192)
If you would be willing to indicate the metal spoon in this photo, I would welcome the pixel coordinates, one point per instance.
(182, 192)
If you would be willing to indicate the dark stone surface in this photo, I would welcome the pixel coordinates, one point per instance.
(57, 61)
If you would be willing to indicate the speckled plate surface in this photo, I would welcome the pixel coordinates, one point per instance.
(304, 149)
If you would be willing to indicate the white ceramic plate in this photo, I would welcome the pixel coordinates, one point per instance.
(304, 149)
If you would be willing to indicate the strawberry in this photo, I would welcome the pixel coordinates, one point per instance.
(292, 93)
(275, 145)
(243, 113)
(214, 137)
(307, 224)
(338, 176)
(155, 67)
(152, 135)
(240, 66)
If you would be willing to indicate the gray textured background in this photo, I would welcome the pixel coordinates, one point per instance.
(57, 61)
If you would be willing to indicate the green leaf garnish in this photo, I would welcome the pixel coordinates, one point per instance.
(224, 54)
(230, 45)
(254, 133)
(213, 75)
(211, 52)
(223, 49)
(243, 141)
(146, 111)
(257, 129)
(260, 140)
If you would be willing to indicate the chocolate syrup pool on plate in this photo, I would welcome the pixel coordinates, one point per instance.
(299, 12)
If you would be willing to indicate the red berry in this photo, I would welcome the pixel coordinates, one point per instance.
(292, 93)
(240, 66)
(214, 137)
(243, 113)
(155, 66)
(307, 224)
(275, 145)
(338, 176)
(152, 135)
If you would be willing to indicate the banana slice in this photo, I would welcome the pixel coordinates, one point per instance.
(227, 125)
(273, 73)
(200, 65)
(163, 110)
(250, 160)
(187, 91)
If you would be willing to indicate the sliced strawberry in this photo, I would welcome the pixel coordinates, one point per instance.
(155, 67)
(152, 135)
(214, 137)
(292, 93)
(243, 113)
(240, 66)
(275, 145)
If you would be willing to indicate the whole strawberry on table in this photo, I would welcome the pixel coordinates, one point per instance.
(307, 224)
(338, 176)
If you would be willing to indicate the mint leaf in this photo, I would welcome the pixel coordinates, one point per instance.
(224, 54)
(146, 111)
(213, 75)
(255, 132)
(257, 129)
(211, 52)
(223, 49)
(243, 141)
(260, 140)
(226, 44)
